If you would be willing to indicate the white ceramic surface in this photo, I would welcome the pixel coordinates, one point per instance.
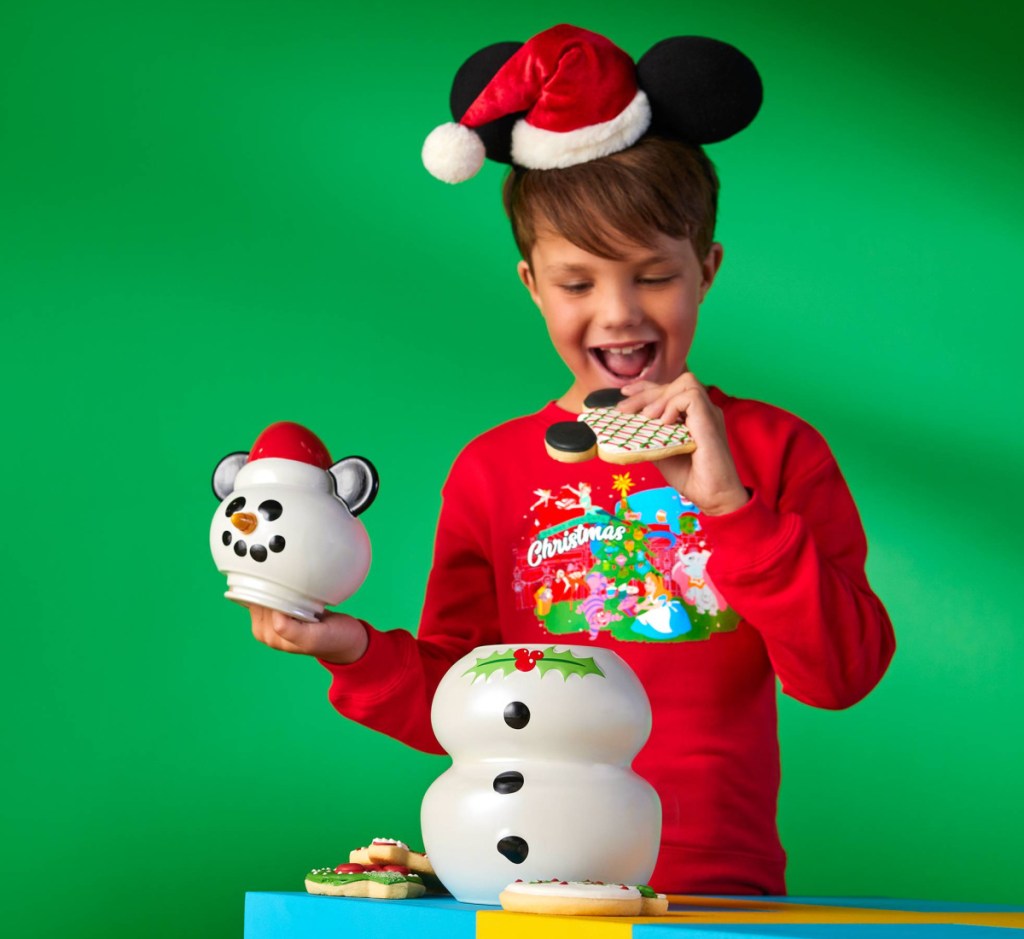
(540, 784)
(326, 550)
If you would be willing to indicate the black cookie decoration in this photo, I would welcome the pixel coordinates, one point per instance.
(570, 441)
(604, 398)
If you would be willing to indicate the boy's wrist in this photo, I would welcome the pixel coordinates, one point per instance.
(728, 503)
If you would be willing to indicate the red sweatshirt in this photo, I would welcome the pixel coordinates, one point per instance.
(706, 610)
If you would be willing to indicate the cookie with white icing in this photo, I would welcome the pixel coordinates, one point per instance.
(391, 851)
(604, 431)
(582, 898)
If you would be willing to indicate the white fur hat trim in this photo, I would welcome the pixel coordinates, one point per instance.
(539, 149)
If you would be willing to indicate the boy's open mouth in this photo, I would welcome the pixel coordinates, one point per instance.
(626, 362)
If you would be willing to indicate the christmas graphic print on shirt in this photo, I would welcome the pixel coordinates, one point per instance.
(630, 562)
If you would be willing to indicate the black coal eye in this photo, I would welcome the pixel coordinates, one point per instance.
(258, 553)
(240, 548)
(517, 715)
(235, 505)
(226, 537)
(270, 510)
(276, 544)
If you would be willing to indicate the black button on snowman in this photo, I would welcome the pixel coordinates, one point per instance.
(286, 532)
(541, 739)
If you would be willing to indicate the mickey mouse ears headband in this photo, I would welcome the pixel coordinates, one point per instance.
(568, 96)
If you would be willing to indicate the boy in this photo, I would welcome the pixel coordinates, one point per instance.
(710, 573)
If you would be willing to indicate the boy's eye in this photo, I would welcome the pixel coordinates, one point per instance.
(577, 287)
(655, 281)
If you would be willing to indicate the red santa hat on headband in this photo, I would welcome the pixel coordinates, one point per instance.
(578, 98)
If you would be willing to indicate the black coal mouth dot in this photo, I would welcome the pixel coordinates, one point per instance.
(257, 552)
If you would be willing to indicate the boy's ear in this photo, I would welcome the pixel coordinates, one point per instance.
(710, 266)
(526, 276)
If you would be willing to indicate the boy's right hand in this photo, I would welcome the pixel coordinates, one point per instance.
(337, 638)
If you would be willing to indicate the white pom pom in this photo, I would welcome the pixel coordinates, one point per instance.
(453, 153)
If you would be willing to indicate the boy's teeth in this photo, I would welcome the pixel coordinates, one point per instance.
(626, 361)
(624, 350)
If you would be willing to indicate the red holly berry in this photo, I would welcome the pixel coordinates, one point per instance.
(349, 869)
(524, 660)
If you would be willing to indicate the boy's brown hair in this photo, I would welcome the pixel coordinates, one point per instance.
(655, 186)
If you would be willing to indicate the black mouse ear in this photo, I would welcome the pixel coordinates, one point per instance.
(701, 90)
(472, 77)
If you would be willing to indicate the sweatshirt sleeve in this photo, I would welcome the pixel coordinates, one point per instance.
(390, 689)
(796, 574)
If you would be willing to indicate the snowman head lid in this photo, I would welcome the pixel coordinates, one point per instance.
(286, 532)
(288, 453)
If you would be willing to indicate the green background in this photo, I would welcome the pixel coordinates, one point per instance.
(213, 216)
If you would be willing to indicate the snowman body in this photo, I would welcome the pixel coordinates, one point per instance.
(541, 739)
(286, 532)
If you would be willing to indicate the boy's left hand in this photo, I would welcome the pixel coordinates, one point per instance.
(707, 477)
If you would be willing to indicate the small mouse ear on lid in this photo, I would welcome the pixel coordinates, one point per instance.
(225, 472)
(701, 90)
(356, 482)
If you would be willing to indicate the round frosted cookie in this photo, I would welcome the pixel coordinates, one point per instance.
(572, 898)
(614, 436)
(652, 903)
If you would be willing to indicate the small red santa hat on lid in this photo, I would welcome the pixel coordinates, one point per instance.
(577, 95)
(287, 440)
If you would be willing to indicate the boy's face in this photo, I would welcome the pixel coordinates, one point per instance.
(618, 321)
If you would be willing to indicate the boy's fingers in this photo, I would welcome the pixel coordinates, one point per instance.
(277, 630)
(636, 386)
(639, 399)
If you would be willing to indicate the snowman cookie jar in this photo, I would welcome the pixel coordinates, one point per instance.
(541, 739)
(286, 532)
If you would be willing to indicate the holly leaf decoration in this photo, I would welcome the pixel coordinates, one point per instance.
(566, 664)
(563, 662)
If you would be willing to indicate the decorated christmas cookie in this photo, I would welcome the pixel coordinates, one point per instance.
(604, 431)
(582, 898)
(384, 851)
(388, 882)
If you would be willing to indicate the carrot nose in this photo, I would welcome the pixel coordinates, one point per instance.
(245, 522)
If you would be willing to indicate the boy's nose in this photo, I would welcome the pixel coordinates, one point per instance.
(620, 308)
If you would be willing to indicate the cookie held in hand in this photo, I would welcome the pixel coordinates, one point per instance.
(604, 431)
